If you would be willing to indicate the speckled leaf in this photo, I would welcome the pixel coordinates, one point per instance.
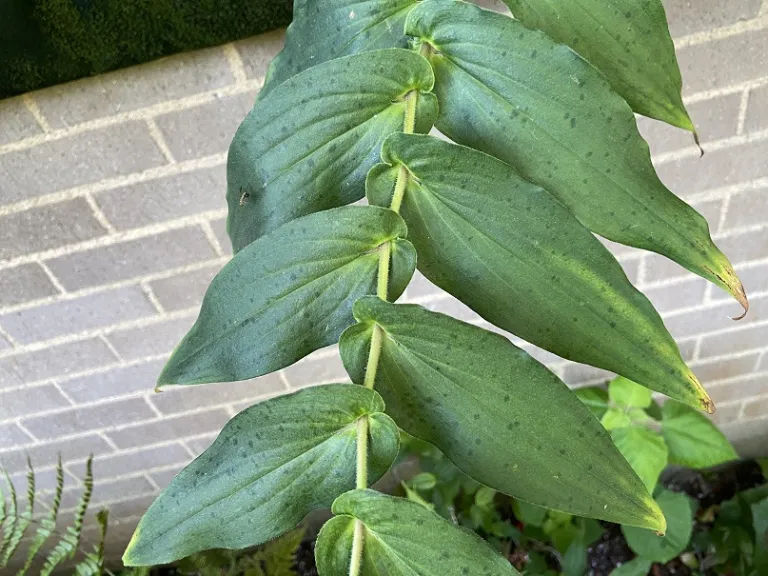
(499, 415)
(627, 40)
(322, 31)
(308, 145)
(645, 450)
(288, 294)
(402, 538)
(271, 465)
(514, 93)
(693, 440)
(515, 255)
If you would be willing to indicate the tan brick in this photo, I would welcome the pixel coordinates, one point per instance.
(129, 463)
(108, 491)
(724, 368)
(756, 408)
(163, 477)
(165, 198)
(77, 314)
(119, 381)
(131, 259)
(313, 370)
(257, 52)
(575, 374)
(736, 391)
(169, 428)
(723, 62)
(726, 413)
(46, 454)
(132, 88)
(200, 444)
(86, 418)
(56, 360)
(152, 340)
(76, 160)
(680, 295)
(715, 119)
(23, 283)
(723, 167)
(126, 509)
(757, 110)
(748, 208)
(763, 367)
(32, 400)
(4, 344)
(733, 342)
(18, 122)
(220, 230)
(184, 290)
(746, 246)
(12, 435)
(690, 16)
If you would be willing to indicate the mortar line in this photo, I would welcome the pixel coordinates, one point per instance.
(714, 146)
(34, 109)
(112, 349)
(98, 214)
(54, 280)
(211, 236)
(152, 297)
(743, 107)
(235, 63)
(159, 139)
(725, 90)
(756, 24)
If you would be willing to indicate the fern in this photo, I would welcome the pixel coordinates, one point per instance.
(14, 526)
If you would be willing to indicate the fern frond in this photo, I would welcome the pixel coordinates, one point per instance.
(10, 520)
(278, 557)
(69, 542)
(23, 521)
(93, 564)
(48, 524)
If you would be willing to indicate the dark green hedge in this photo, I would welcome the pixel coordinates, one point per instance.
(45, 42)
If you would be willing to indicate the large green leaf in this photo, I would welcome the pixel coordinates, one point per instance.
(309, 144)
(628, 394)
(516, 94)
(322, 31)
(646, 544)
(271, 465)
(515, 255)
(645, 451)
(288, 294)
(693, 440)
(499, 415)
(402, 538)
(629, 42)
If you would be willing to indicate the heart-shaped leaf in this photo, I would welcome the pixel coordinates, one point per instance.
(271, 465)
(500, 416)
(402, 537)
(335, 28)
(628, 42)
(645, 451)
(516, 94)
(646, 544)
(288, 294)
(515, 255)
(693, 440)
(308, 145)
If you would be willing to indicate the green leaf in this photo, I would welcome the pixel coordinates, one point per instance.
(515, 255)
(516, 94)
(335, 28)
(645, 451)
(424, 481)
(496, 413)
(621, 418)
(677, 510)
(271, 465)
(401, 538)
(626, 393)
(308, 145)
(594, 398)
(288, 294)
(529, 514)
(635, 567)
(693, 440)
(760, 524)
(575, 559)
(628, 42)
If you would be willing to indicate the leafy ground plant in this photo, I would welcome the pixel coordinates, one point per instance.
(544, 152)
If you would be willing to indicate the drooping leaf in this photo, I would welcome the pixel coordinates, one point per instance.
(332, 29)
(308, 145)
(402, 538)
(645, 451)
(288, 294)
(516, 94)
(594, 398)
(628, 394)
(693, 440)
(636, 567)
(628, 42)
(271, 465)
(515, 255)
(677, 510)
(496, 413)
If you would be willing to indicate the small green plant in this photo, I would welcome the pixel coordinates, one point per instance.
(545, 153)
(15, 526)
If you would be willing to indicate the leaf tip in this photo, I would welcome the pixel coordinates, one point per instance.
(658, 522)
(741, 296)
(698, 143)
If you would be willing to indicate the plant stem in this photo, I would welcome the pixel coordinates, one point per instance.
(377, 335)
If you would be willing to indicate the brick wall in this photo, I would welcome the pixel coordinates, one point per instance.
(112, 224)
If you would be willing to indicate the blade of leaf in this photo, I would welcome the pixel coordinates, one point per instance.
(693, 440)
(626, 393)
(308, 146)
(628, 42)
(677, 510)
(636, 567)
(645, 451)
(516, 94)
(271, 465)
(403, 537)
(514, 254)
(334, 29)
(496, 413)
(288, 294)
(25, 519)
